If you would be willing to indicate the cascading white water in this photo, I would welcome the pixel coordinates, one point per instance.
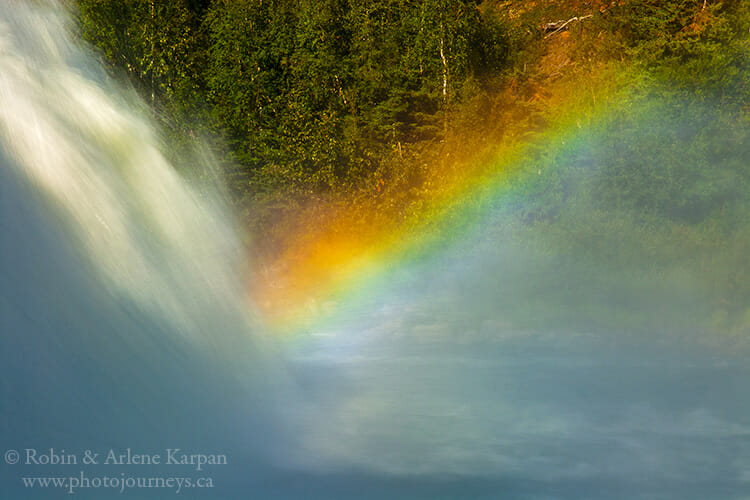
(122, 311)
(81, 143)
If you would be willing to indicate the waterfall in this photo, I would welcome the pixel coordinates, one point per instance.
(124, 327)
(123, 315)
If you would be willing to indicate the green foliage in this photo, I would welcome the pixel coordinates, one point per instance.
(159, 47)
(702, 45)
(157, 43)
(363, 98)
(350, 96)
(646, 211)
(319, 94)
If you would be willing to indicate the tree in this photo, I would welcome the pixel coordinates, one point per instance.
(156, 43)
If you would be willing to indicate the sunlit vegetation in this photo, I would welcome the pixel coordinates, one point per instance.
(347, 126)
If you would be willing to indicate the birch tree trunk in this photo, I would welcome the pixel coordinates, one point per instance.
(445, 78)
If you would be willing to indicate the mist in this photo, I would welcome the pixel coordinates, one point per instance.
(579, 333)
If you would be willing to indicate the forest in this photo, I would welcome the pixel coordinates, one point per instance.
(374, 116)
(375, 249)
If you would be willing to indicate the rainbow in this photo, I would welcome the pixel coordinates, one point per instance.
(345, 259)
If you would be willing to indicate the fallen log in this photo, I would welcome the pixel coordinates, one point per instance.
(556, 27)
